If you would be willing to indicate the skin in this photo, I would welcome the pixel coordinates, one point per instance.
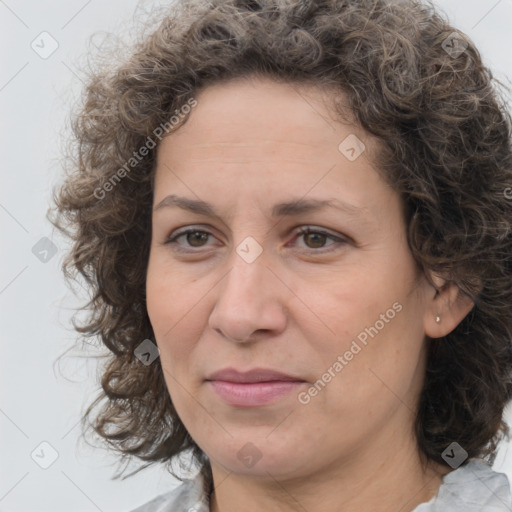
(249, 144)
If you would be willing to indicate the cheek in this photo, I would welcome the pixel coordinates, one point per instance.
(156, 290)
(165, 312)
(377, 326)
(345, 305)
(176, 313)
(381, 367)
(166, 296)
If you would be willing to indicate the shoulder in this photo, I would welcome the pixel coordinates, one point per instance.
(471, 488)
(188, 496)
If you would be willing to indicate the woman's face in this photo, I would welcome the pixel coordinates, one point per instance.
(341, 311)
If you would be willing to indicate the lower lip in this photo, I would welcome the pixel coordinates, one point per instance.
(253, 393)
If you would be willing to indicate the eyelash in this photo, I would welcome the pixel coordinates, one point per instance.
(304, 231)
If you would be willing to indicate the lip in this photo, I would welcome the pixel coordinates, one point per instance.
(253, 388)
(252, 376)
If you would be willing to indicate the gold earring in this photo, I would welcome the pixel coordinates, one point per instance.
(438, 319)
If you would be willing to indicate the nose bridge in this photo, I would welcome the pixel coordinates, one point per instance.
(246, 283)
(249, 298)
(249, 258)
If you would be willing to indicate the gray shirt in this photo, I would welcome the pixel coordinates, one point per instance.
(474, 487)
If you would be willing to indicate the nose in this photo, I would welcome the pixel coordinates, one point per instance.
(250, 302)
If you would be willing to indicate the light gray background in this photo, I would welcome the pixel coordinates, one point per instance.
(37, 403)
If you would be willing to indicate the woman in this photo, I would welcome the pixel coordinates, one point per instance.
(294, 220)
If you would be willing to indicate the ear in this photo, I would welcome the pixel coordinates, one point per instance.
(447, 303)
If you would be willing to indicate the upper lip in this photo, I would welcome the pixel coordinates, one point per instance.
(254, 375)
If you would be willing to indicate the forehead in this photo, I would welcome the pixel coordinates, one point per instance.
(259, 120)
(262, 107)
(254, 138)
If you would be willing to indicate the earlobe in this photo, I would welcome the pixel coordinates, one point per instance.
(447, 308)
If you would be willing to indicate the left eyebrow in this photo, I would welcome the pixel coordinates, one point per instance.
(285, 209)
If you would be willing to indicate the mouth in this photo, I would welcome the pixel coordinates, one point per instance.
(252, 388)
(252, 376)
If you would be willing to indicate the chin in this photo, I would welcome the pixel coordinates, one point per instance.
(261, 458)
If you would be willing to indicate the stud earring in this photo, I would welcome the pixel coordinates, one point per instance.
(438, 319)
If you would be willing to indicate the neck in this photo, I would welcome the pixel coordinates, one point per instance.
(398, 483)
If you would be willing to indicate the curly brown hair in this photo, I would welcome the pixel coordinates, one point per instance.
(445, 147)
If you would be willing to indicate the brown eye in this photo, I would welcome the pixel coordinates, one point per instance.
(316, 239)
(313, 239)
(194, 238)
